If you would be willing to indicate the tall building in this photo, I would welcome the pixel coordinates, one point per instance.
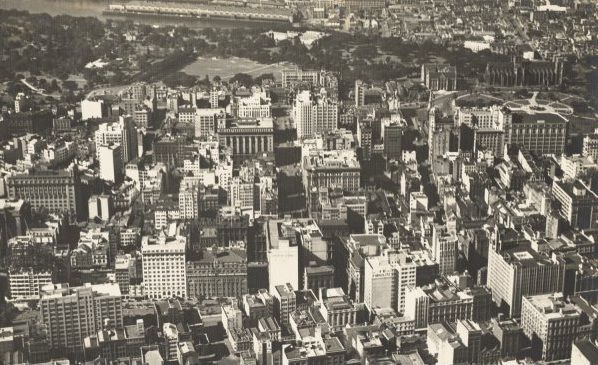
(590, 146)
(578, 203)
(314, 114)
(283, 254)
(285, 302)
(393, 148)
(551, 324)
(386, 279)
(27, 284)
(71, 314)
(111, 165)
(56, 190)
(123, 133)
(218, 273)
(164, 270)
(93, 109)
(520, 271)
(189, 199)
(444, 249)
(540, 133)
(332, 169)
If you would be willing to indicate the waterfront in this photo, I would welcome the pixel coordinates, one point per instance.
(96, 9)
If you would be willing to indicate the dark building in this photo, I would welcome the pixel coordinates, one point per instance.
(173, 150)
(539, 133)
(257, 242)
(28, 122)
(218, 273)
(524, 73)
(393, 148)
(55, 190)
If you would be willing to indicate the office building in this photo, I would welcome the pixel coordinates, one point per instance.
(314, 114)
(164, 271)
(27, 284)
(71, 314)
(93, 109)
(551, 324)
(122, 133)
(285, 302)
(519, 271)
(282, 255)
(387, 278)
(205, 121)
(444, 249)
(332, 169)
(590, 146)
(393, 148)
(111, 166)
(218, 273)
(539, 133)
(189, 199)
(56, 190)
(578, 203)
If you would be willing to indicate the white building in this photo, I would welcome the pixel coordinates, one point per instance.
(241, 193)
(444, 249)
(122, 132)
(551, 324)
(26, 285)
(256, 106)
(111, 166)
(189, 198)
(314, 114)
(283, 255)
(93, 109)
(164, 273)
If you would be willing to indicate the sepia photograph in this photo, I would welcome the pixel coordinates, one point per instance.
(298, 182)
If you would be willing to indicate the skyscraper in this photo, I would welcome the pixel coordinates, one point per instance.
(71, 314)
(314, 114)
(444, 249)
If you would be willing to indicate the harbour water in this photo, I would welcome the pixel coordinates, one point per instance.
(96, 9)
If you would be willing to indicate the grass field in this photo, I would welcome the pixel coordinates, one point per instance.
(227, 68)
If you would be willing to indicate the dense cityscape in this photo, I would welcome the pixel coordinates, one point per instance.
(299, 182)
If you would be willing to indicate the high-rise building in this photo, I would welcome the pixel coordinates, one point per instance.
(189, 198)
(540, 133)
(314, 114)
(551, 324)
(444, 249)
(590, 146)
(56, 190)
(578, 203)
(218, 273)
(164, 270)
(111, 165)
(386, 279)
(27, 284)
(283, 254)
(520, 271)
(285, 302)
(71, 314)
(123, 133)
(392, 141)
